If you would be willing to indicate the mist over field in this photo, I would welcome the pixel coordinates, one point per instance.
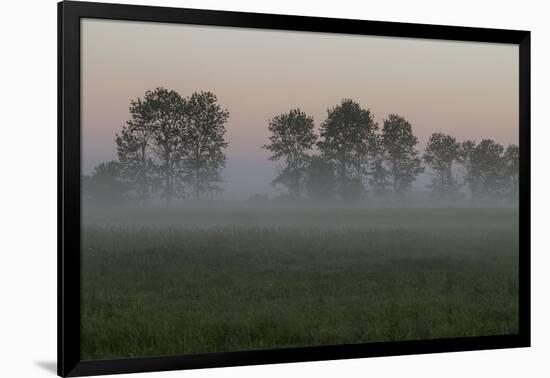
(337, 216)
(263, 202)
(160, 281)
(200, 275)
(347, 250)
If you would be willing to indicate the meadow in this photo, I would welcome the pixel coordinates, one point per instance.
(191, 280)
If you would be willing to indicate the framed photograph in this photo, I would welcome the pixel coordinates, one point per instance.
(240, 188)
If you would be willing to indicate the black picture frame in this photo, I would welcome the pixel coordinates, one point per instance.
(69, 15)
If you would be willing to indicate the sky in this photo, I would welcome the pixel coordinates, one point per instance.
(466, 89)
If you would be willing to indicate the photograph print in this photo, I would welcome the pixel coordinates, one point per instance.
(250, 189)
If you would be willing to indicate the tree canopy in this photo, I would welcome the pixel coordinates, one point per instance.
(441, 152)
(291, 139)
(346, 137)
(173, 144)
(402, 156)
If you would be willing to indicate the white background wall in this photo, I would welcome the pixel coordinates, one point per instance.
(28, 186)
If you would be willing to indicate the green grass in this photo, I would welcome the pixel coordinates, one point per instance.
(351, 278)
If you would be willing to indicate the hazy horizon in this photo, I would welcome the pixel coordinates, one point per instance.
(466, 89)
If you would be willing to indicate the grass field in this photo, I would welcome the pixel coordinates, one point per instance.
(192, 281)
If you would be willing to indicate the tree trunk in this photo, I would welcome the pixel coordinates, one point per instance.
(394, 176)
(143, 185)
(168, 180)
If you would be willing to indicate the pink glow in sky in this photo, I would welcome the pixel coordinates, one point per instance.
(466, 89)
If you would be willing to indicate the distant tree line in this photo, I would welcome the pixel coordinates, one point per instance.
(353, 155)
(173, 147)
(170, 147)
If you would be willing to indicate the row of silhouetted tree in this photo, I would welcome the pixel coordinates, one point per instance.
(170, 147)
(173, 147)
(353, 155)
